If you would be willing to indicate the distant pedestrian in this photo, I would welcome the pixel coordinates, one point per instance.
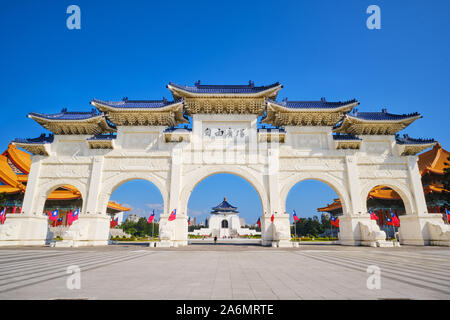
(215, 239)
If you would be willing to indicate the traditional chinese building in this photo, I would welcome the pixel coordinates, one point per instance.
(224, 222)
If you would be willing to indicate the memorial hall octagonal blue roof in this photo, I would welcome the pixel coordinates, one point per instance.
(224, 206)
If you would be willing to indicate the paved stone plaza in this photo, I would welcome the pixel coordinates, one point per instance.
(226, 271)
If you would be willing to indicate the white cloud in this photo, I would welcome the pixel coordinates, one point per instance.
(139, 211)
(193, 213)
(155, 206)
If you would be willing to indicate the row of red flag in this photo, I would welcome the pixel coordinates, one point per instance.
(393, 220)
(57, 220)
(3, 213)
(151, 218)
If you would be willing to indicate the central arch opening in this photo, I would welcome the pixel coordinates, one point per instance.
(225, 206)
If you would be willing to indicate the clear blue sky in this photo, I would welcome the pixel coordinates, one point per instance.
(314, 48)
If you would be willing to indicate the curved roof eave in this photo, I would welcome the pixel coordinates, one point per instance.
(176, 88)
(107, 107)
(342, 108)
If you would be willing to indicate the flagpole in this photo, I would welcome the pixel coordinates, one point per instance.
(332, 231)
(295, 230)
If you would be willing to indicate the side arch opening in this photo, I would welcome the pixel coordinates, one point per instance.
(310, 218)
(129, 205)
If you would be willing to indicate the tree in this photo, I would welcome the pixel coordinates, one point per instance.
(326, 224)
(3, 199)
(311, 226)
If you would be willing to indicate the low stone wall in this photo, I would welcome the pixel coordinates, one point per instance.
(118, 233)
(59, 230)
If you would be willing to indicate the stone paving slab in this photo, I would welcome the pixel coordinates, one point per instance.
(225, 272)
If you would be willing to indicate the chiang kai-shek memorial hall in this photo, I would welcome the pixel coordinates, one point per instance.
(238, 129)
(224, 222)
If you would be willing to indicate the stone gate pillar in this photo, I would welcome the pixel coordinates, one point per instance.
(175, 232)
(30, 227)
(92, 226)
(420, 227)
(278, 232)
(355, 226)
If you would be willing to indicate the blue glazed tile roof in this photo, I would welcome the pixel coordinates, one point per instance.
(42, 139)
(68, 115)
(172, 129)
(322, 104)
(224, 206)
(104, 137)
(408, 140)
(125, 103)
(382, 116)
(282, 130)
(230, 89)
(339, 136)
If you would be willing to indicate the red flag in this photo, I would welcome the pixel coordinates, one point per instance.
(395, 219)
(14, 209)
(59, 221)
(295, 217)
(373, 216)
(259, 222)
(2, 216)
(53, 216)
(75, 215)
(272, 218)
(114, 222)
(173, 215)
(70, 218)
(151, 218)
(334, 221)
